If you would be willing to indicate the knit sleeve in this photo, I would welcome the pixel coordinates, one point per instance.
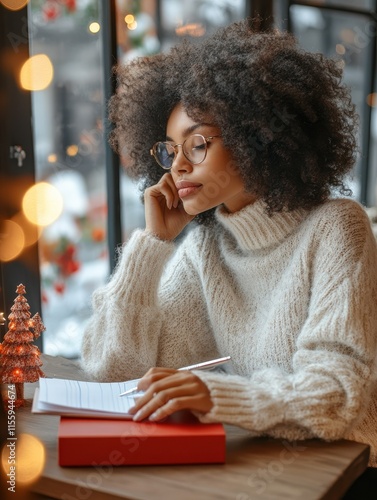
(333, 368)
(143, 316)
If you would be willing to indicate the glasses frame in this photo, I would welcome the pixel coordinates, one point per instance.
(152, 151)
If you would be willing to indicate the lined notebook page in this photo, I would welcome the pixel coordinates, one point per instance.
(80, 397)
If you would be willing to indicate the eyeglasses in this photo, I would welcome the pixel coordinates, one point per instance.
(194, 149)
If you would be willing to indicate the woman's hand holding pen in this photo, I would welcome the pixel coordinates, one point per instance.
(165, 216)
(167, 391)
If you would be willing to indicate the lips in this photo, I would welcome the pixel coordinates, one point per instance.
(186, 188)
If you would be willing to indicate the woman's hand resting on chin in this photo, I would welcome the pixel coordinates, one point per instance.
(165, 216)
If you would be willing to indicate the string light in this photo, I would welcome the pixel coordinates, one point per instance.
(36, 73)
(129, 18)
(132, 26)
(14, 4)
(94, 27)
(130, 21)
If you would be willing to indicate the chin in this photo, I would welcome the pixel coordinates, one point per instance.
(193, 209)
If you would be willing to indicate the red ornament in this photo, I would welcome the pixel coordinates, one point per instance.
(51, 10)
(67, 261)
(70, 5)
(20, 360)
(98, 234)
(44, 298)
(59, 287)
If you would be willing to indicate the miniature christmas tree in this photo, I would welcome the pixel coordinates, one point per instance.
(20, 360)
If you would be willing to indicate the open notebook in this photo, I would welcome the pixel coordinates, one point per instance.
(84, 399)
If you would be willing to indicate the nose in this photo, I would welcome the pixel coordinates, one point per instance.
(180, 163)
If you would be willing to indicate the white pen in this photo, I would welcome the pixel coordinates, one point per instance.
(205, 365)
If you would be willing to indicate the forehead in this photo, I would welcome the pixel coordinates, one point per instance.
(181, 124)
(179, 119)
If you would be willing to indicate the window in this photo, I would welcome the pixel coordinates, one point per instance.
(346, 30)
(60, 125)
(70, 42)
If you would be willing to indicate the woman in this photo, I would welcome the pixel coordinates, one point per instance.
(248, 136)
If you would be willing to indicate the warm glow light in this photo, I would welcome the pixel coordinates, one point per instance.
(132, 26)
(53, 158)
(12, 240)
(372, 100)
(2, 319)
(94, 27)
(30, 455)
(129, 18)
(347, 35)
(193, 29)
(31, 232)
(340, 49)
(42, 204)
(14, 4)
(72, 150)
(36, 73)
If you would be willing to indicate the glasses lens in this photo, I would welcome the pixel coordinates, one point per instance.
(195, 148)
(164, 154)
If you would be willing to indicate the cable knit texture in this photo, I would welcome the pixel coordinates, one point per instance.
(292, 298)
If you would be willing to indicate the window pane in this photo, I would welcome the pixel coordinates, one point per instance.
(69, 150)
(197, 18)
(353, 4)
(347, 38)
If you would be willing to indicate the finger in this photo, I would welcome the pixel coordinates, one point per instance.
(170, 181)
(180, 384)
(164, 192)
(169, 401)
(154, 382)
(174, 405)
(167, 188)
(153, 375)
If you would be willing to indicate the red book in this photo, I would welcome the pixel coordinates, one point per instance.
(181, 439)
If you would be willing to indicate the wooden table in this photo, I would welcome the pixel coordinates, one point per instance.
(254, 468)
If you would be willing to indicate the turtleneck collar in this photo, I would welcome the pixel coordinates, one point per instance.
(254, 229)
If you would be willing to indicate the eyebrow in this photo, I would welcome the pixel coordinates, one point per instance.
(191, 129)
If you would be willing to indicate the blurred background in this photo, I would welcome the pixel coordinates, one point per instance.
(66, 201)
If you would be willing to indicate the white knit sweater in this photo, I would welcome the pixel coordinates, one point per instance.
(291, 298)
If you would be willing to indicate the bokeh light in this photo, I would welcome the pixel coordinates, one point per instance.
(348, 36)
(36, 73)
(14, 4)
(192, 29)
(129, 18)
(52, 158)
(132, 26)
(42, 204)
(340, 49)
(31, 231)
(72, 150)
(94, 27)
(12, 240)
(30, 458)
(372, 100)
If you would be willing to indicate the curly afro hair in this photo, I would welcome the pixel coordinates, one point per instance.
(284, 113)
